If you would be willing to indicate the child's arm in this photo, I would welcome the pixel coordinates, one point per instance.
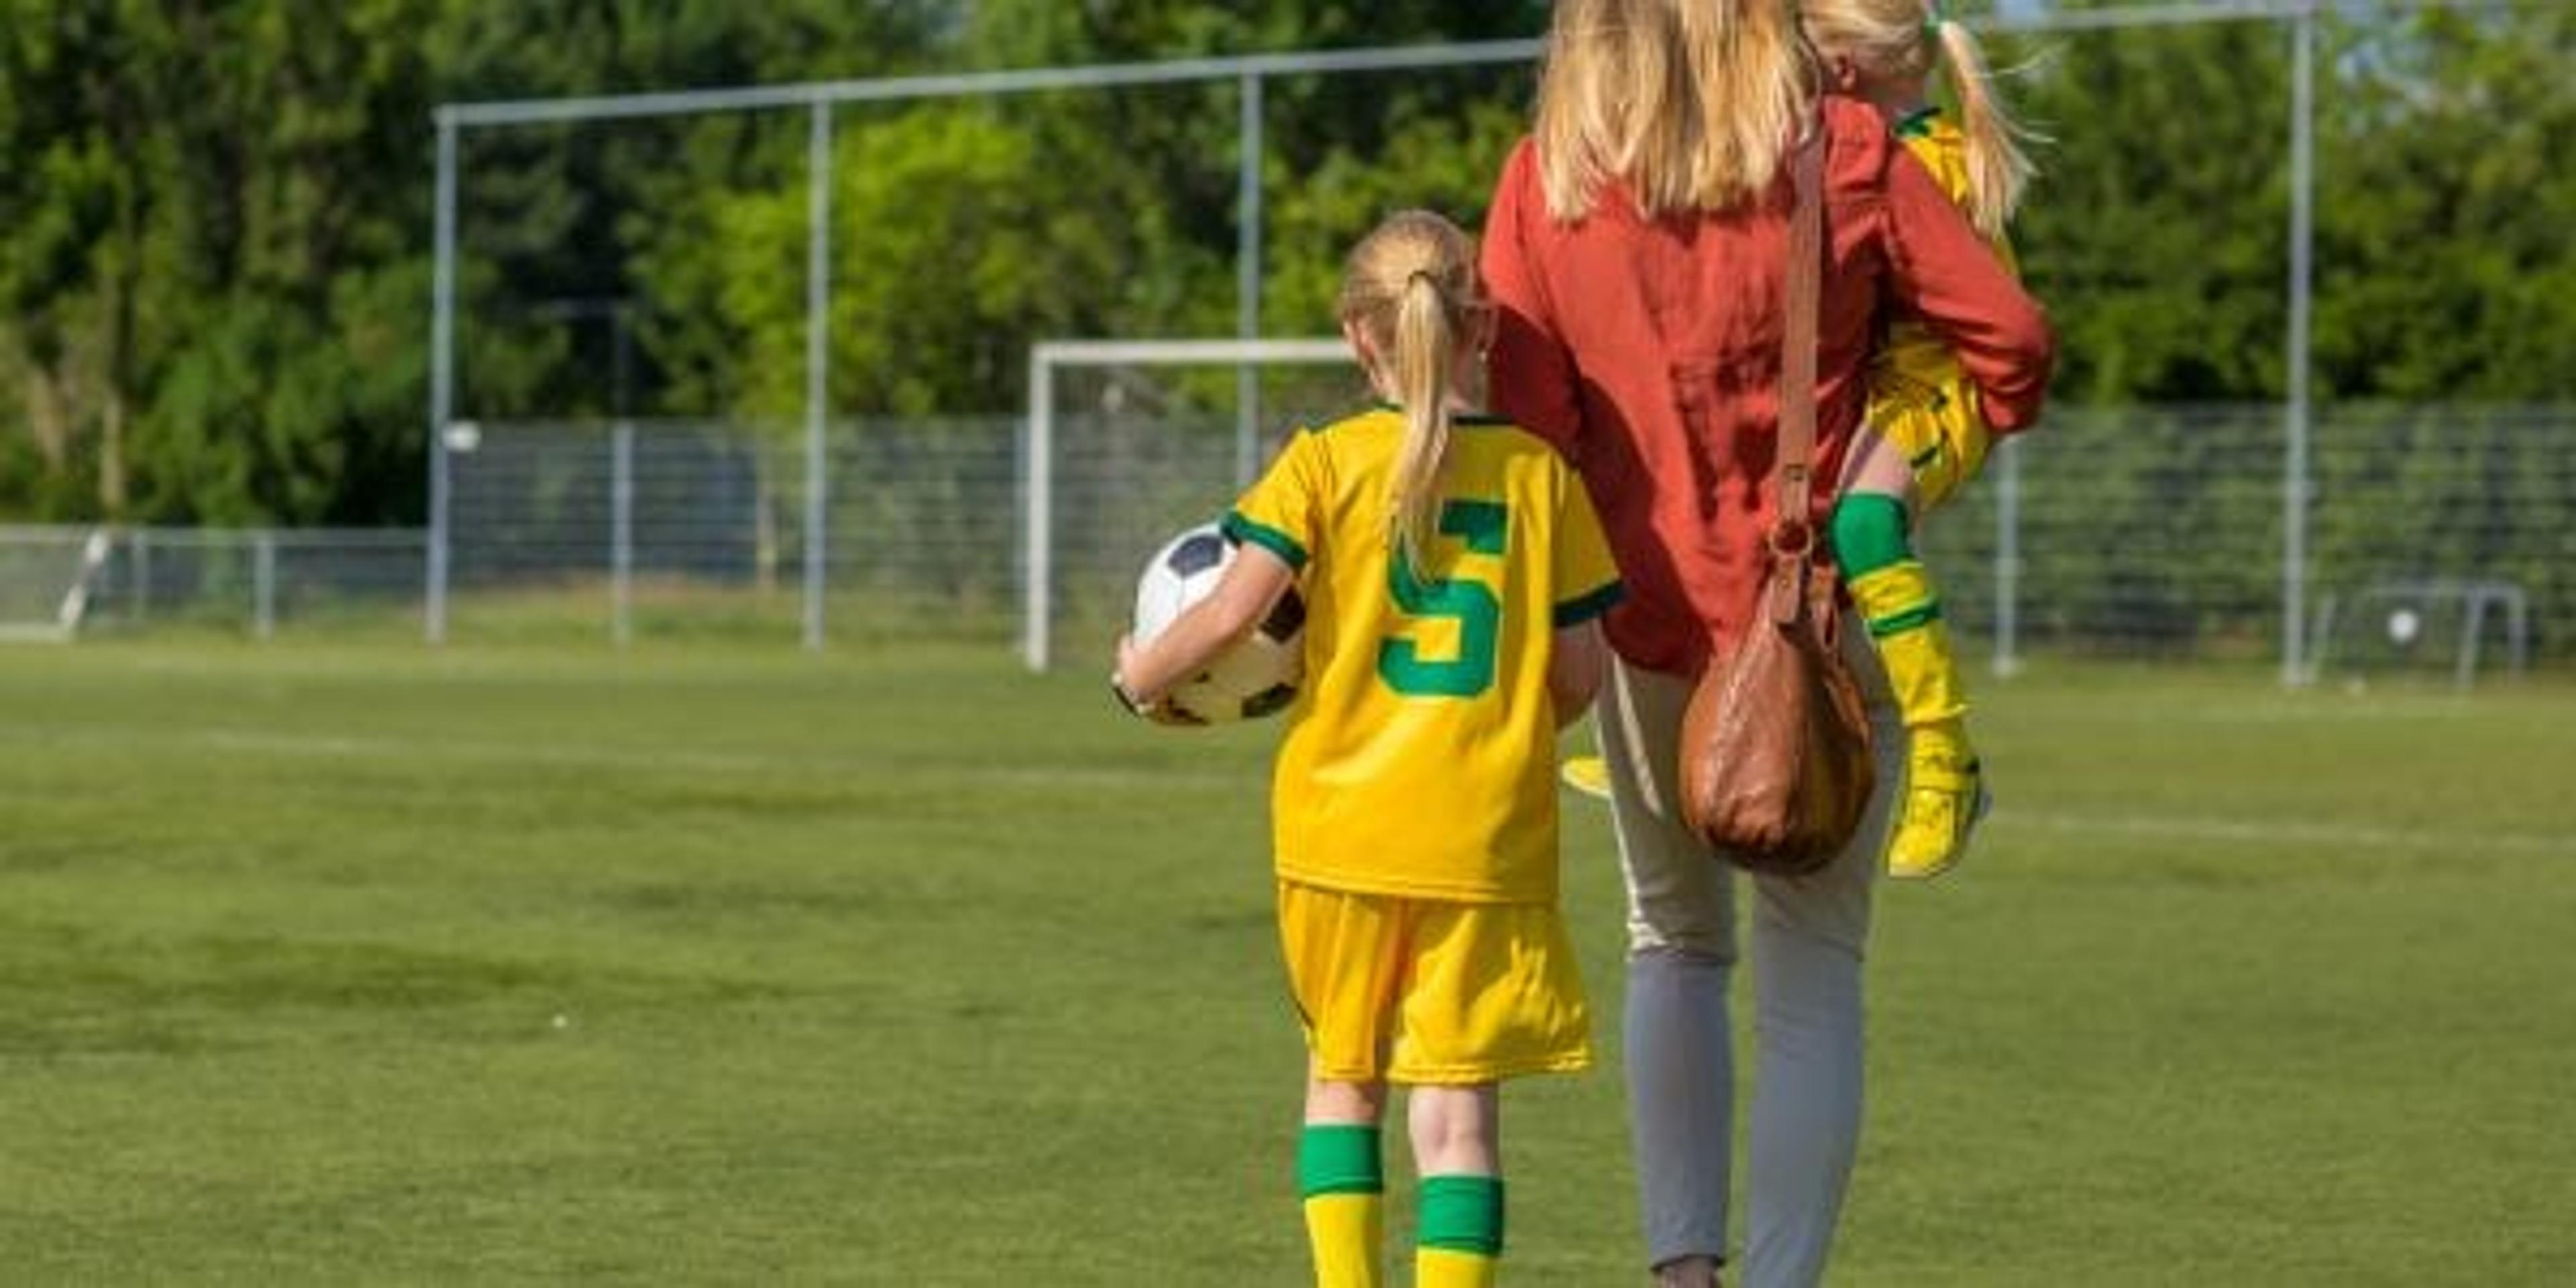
(1574, 670)
(1252, 583)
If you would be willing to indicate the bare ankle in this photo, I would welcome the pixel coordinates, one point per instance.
(1687, 1272)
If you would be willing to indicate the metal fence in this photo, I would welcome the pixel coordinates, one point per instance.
(2158, 533)
(676, 528)
(2142, 533)
(254, 582)
(2145, 534)
(658, 529)
(1250, 74)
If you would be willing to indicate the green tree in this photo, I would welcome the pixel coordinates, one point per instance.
(74, 195)
(285, 359)
(964, 232)
(2444, 263)
(600, 215)
(202, 325)
(2156, 230)
(215, 225)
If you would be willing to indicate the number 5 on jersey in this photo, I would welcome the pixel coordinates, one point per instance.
(1485, 528)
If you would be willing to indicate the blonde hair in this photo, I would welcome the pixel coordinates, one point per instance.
(1910, 39)
(1409, 290)
(1691, 103)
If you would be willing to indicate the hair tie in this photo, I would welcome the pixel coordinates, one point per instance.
(1933, 17)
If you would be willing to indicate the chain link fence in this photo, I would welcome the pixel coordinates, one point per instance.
(2147, 534)
(60, 581)
(672, 528)
(2141, 534)
(2158, 534)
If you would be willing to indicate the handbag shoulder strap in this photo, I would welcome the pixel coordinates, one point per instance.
(1793, 482)
(1793, 538)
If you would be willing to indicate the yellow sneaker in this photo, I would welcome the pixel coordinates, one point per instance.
(1945, 797)
(1589, 775)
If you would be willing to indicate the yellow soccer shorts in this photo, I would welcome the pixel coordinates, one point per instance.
(1935, 424)
(1432, 991)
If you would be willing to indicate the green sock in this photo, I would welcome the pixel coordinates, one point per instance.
(1343, 1185)
(1462, 1214)
(1868, 532)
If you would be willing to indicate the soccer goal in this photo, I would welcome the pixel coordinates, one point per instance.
(1129, 441)
(2428, 627)
(45, 579)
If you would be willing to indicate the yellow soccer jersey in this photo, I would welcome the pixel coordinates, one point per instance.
(1943, 150)
(1913, 356)
(1420, 754)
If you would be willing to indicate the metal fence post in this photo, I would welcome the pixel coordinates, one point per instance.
(442, 379)
(1039, 473)
(621, 533)
(1247, 279)
(818, 340)
(142, 545)
(2008, 560)
(2295, 467)
(263, 583)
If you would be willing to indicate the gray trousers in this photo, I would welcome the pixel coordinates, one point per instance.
(1807, 938)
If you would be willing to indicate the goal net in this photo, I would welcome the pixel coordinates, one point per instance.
(2436, 628)
(1129, 442)
(45, 580)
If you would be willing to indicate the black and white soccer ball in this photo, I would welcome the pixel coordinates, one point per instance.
(1256, 677)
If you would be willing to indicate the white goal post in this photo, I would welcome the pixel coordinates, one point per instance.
(1038, 496)
(45, 580)
(2428, 623)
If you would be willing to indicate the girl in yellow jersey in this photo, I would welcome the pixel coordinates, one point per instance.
(1453, 573)
(1924, 438)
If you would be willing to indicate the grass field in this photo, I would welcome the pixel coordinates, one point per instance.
(335, 965)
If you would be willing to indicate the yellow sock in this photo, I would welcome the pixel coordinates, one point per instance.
(1904, 616)
(1449, 1268)
(1344, 1187)
(1943, 796)
(1345, 1232)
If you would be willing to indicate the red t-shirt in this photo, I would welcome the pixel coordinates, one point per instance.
(1648, 351)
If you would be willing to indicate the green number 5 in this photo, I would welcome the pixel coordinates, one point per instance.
(1483, 525)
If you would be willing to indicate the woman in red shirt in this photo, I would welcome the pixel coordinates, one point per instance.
(1636, 250)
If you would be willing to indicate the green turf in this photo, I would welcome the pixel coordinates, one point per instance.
(331, 965)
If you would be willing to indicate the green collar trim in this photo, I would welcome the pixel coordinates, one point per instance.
(1918, 123)
(1485, 419)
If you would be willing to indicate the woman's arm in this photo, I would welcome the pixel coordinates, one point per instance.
(1244, 594)
(1949, 276)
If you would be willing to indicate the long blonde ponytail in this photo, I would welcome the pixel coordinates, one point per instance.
(1999, 171)
(1410, 291)
(1906, 40)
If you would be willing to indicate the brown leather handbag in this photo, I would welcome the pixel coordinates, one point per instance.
(1775, 760)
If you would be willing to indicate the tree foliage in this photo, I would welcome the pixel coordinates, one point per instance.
(215, 216)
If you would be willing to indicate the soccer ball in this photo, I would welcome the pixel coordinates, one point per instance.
(1255, 678)
(2403, 626)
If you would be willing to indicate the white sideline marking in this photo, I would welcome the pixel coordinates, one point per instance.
(2239, 831)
